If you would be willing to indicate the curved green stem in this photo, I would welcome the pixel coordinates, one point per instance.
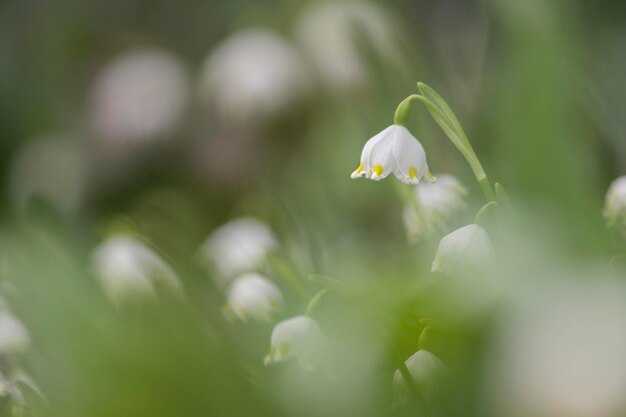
(448, 122)
(315, 301)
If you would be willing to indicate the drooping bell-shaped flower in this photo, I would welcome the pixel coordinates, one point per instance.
(252, 295)
(435, 203)
(394, 150)
(427, 372)
(615, 205)
(298, 337)
(128, 268)
(463, 251)
(239, 246)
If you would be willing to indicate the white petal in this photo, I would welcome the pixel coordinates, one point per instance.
(252, 295)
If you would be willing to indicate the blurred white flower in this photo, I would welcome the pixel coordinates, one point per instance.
(14, 337)
(127, 268)
(427, 372)
(252, 75)
(298, 337)
(436, 203)
(139, 97)
(51, 167)
(394, 150)
(252, 295)
(561, 352)
(463, 251)
(615, 205)
(239, 246)
(331, 34)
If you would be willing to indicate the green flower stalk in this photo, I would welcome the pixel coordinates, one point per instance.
(448, 122)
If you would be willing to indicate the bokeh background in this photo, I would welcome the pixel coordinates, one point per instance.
(164, 120)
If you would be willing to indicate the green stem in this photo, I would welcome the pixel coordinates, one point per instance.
(450, 126)
(330, 283)
(315, 300)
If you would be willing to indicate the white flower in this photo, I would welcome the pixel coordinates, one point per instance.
(298, 337)
(252, 295)
(337, 36)
(426, 370)
(239, 246)
(139, 96)
(463, 251)
(615, 205)
(253, 74)
(394, 150)
(435, 202)
(127, 268)
(14, 337)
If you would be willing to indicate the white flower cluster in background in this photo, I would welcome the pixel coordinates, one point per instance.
(252, 295)
(299, 337)
(138, 97)
(464, 251)
(237, 250)
(239, 246)
(253, 74)
(127, 268)
(435, 203)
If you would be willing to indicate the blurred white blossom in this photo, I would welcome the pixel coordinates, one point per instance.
(427, 372)
(127, 268)
(464, 251)
(615, 205)
(138, 97)
(239, 246)
(253, 75)
(332, 35)
(394, 150)
(52, 168)
(298, 337)
(561, 352)
(434, 204)
(14, 336)
(253, 296)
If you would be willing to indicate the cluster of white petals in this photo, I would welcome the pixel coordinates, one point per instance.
(127, 268)
(253, 74)
(435, 203)
(298, 337)
(394, 150)
(138, 97)
(239, 246)
(464, 251)
(427, 372)
(253, 296)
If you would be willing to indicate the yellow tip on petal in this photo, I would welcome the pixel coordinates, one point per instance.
(412, 173)
(359, 169)
(378, 170)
